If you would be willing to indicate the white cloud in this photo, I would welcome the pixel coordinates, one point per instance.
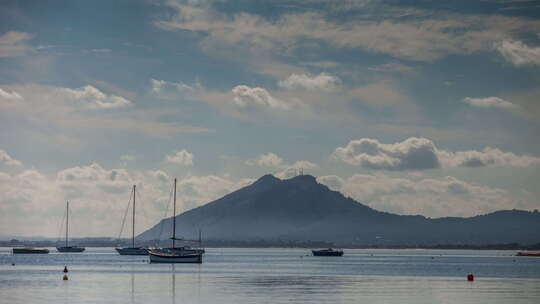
(490, 102)
(7, 160)
(67, 109)
(14, 43)
(172, 90)
(92, 98)
(434, 197)
(427, 37)
(9, 95)
(245, 96)
(183, 158)
(322, 81)
(413, 153)
(267, 160)
(421, 153)
(98, 197)
(518, 53)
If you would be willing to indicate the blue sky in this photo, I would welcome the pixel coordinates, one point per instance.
(412, 107)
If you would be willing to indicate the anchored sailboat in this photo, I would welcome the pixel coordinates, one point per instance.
(69, 248)
(133, 250)
(176, 254)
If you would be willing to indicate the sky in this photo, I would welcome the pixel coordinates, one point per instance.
(410, 107)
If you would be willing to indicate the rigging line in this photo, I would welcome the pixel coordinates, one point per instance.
(61, 227)
(141, 206)
(125, 214)
(162, 223)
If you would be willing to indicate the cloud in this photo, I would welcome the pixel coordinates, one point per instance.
(266, 160)
(14, 43)
(427, 37)
(322, 81)
(490, 102)
(91, 98)
(172, 90)
(413, 153)
(518, 53)
(9, 95)
(6, 159)
(98, 197)
(392, 67)
(43, 107)
(245, 96)
(421, 153)
(182, 158)
(433, 197)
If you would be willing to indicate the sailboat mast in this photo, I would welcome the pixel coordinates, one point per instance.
(133, 235)
(67, 221)
(174, 215)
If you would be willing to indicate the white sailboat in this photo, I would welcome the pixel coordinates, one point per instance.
(68, 248)
(133, 250)
(176, 254)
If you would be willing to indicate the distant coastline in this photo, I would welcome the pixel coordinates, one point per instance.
(109, 242)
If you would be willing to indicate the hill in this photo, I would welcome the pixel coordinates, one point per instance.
(301, 209)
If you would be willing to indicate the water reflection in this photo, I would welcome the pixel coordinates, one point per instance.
(173, 284)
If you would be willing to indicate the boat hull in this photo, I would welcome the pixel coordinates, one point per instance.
(132, 251)
(185, 250)
(327, 252)
(30, 251)
(163, 257)
(70, 249)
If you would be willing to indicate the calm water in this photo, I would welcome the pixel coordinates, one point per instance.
(273, 276)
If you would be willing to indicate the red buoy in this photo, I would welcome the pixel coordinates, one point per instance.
(470, 277)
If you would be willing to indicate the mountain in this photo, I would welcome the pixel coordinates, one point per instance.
(301, 209)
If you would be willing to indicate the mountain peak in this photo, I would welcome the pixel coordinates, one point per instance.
(267, 179)
(304, 178)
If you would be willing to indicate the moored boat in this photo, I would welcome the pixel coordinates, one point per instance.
(68, 248)
(166, 256)
(529, 253)
(30, 250)
(132, 250)
(176, 254)
(327, 252)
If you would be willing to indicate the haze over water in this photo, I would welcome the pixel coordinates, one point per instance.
(100, 275)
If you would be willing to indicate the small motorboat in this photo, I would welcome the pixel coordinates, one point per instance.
(327, 252)
(529, 253)
(30, 250)
(132, 251)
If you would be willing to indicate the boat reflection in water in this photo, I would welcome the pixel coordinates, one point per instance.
(176, 254)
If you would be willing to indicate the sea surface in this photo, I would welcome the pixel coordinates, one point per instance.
(238, 275)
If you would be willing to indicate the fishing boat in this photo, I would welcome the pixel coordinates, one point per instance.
(68, 248)
(30, 250)
(176, 254)
(132, 250)
(327, 252)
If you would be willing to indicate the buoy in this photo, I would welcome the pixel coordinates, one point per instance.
(65, 278)
(12, 264)
(470, 277)
(65, 269)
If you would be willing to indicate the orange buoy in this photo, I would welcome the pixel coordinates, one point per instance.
(65, 278)
(65, 269)
(470, 277)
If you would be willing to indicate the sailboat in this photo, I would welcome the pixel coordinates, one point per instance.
(176, 254)
(133, 250)
(69, 248)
